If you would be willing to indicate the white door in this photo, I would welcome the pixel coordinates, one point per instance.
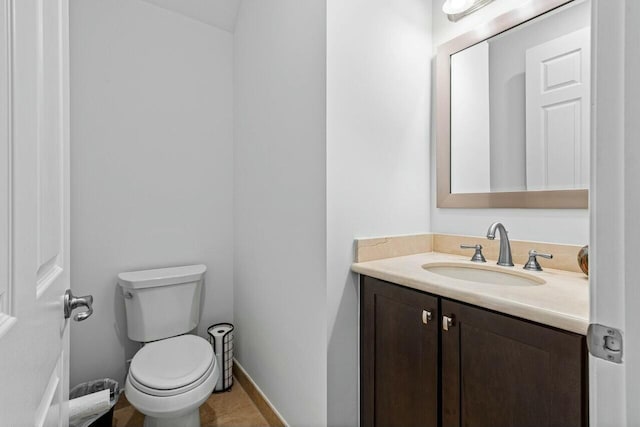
(558, 110)
(34, 212)
(614, 389)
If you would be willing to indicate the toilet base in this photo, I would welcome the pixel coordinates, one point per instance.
(190, 419)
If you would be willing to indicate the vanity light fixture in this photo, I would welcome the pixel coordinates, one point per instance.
(458, 9)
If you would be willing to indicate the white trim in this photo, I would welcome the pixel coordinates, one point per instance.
(632, 210)
(264, 396)
(607, 397)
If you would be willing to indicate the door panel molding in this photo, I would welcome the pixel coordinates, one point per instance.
(49, 407)
(50, 180)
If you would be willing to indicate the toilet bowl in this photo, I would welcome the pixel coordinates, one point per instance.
(175, 372)
(169, 379)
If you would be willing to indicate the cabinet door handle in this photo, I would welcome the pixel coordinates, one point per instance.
(447, 322)
(426, 316)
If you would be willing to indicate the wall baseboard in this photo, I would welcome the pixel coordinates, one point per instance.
(266, 408)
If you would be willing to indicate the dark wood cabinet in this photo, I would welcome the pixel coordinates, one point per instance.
(501, 371)
(399, 356)
(485, 369)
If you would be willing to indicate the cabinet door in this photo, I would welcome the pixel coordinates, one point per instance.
(501, 371)
(399, 356)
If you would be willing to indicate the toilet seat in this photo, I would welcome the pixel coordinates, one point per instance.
(172, 408)
(172, 366)
(172, 391)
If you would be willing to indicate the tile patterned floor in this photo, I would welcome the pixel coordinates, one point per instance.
(233, 408)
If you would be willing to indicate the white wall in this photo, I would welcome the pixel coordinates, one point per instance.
(152, 154)
(378, 106)
(280, 222)
(550, 225)
(470, 134)
(219, 13)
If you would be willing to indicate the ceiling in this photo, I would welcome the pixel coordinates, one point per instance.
(219, 13)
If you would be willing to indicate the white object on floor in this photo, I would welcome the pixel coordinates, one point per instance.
(86, 409)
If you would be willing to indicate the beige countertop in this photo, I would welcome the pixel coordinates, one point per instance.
(561, 302)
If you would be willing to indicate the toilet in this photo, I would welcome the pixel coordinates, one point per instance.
(174, 372)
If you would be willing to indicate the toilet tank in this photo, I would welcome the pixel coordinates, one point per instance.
(162, 303)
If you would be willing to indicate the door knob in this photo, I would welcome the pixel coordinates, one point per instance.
(72, 302)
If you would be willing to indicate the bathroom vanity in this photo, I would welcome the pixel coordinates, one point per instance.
(446, 341)
(440, 349)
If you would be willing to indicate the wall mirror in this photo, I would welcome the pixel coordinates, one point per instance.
(513, 110)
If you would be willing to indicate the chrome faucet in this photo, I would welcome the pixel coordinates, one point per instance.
(505, 247)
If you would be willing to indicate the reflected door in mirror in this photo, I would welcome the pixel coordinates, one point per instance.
(558, 109)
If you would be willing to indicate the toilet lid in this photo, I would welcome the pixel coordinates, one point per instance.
(172, 363)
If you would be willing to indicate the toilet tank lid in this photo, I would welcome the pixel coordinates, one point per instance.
(161, 276)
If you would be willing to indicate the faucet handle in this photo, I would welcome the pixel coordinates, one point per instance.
(477, 256)
(533, 263)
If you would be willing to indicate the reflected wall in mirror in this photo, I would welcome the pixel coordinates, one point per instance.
(517, 100)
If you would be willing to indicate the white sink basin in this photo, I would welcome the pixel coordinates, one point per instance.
(484, 274)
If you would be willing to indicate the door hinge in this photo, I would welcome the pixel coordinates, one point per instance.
(605, 342)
